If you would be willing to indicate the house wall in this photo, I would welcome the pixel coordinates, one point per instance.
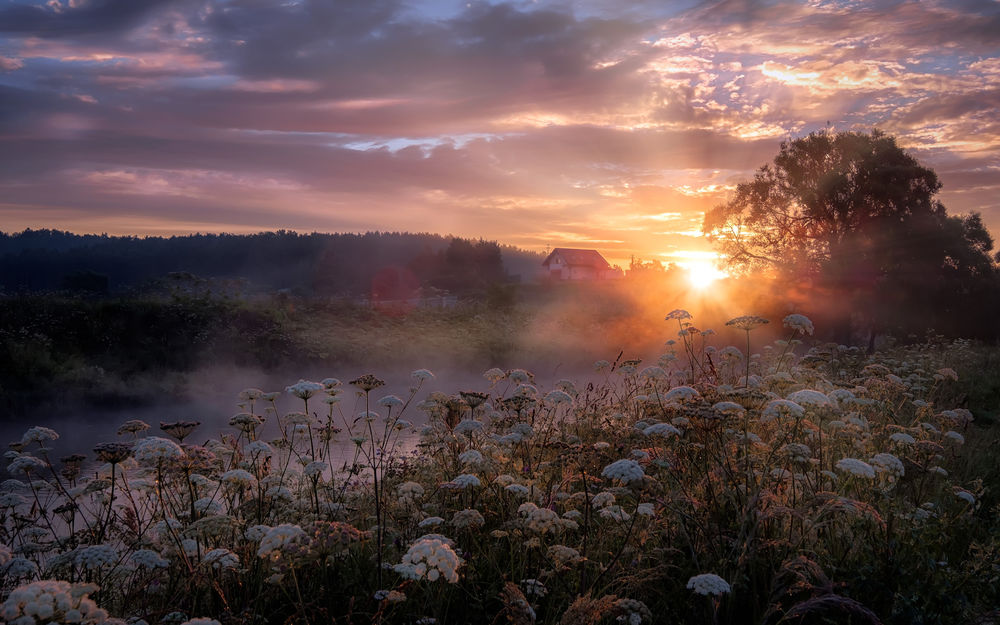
(559, 270)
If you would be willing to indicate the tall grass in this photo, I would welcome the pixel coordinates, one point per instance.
(715, 486)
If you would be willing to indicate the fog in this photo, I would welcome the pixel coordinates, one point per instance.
(556, 333)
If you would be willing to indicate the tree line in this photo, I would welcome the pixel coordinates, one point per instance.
(310, 264)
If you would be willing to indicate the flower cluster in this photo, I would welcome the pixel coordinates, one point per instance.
(430, 557)
(52, 601)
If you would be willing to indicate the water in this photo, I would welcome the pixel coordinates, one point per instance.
(212, 399)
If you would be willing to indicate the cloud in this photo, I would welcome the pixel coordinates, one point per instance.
(75, 18)
(508, 120)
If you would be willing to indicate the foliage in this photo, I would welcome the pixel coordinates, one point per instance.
(855, 215)
(823, 486)
(316, 263)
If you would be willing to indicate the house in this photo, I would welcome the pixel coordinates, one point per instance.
(566, 263)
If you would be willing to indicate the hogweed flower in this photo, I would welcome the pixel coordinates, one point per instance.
(709, 584)
(682, 394)
(778, 408)
(95, 556)
(466, 480)
(304, 389)
(26, 464)
(554, 398)
(113, 453)
(276, 539)
(430, 557)
(473, 398)
(153, 450)
(857, 468)
(367, 382)
(494, 375)
(633, 612)
(422, 375)
(246, 422)
(468, 518)
(661, 429)
(624, 471)
(132, 426)
(221, 559)
(888, 463)
(147, 559)
(390, 401)
(540, 520)
(49, 601)
(747, 323)
(809, 398)
(799, 323)
(39, 434)
(179, 429)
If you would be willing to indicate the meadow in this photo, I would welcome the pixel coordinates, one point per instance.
(767, 481)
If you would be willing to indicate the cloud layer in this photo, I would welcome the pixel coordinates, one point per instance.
(536, 123)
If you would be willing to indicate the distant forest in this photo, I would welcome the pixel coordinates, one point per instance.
(383, 264)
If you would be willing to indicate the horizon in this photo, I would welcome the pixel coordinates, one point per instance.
(501, 244)
(540, 124)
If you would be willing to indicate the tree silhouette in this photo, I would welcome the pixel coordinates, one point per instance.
(856, 215)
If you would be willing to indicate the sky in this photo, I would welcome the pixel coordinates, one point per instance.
(607, 125)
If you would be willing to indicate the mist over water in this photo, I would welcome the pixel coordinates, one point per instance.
(212, 398)
(559, 335)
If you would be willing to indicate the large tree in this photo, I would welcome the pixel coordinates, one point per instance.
(855, 214)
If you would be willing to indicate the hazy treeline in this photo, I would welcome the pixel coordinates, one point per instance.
(311, 264)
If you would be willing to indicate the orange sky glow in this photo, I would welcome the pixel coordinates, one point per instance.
(539, 124)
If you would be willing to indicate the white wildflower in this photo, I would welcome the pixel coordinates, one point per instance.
(468, 426)
(902, 438)
(955, 436)
(276, 538)
(221, 559)
(39, 434)
(154, 450)
(147, 558)
(431, 558)
(682, 394)
(624, 470)
(470, 456)
(661, 429)
(430, 521)
(468, 518)
(95, 556)
(304, 389)
(390, 401)
(799, 322)
(809, 397)
(466, 480)
(858, 468)
(238, 477)
(709, 584)
(779, 408)
(888, 463)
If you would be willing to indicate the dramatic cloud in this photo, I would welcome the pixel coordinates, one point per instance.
(536, 123)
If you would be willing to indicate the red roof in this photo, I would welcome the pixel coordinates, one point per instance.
(577, 258)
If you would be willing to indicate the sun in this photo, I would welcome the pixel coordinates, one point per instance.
(702, 273)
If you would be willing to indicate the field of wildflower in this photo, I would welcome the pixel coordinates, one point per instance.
(791, 482)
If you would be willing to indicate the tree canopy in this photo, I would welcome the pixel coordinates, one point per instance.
(855, 214)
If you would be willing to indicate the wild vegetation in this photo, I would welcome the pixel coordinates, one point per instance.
(717, 485)
(855, 221)
(751, 471)
(314, 264)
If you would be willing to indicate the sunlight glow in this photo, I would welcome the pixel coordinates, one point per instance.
(701, 274)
